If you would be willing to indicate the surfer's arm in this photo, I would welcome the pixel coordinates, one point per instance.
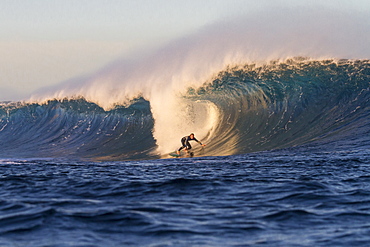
(199, 142)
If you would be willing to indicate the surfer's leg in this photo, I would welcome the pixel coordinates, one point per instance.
(183, 145)
(188, 146)
(181, 148)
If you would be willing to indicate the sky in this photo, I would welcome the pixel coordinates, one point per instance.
(45, 42)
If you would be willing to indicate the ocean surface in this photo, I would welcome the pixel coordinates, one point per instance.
(287, 162)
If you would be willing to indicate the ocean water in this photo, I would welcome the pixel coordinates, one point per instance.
(286, 163)
(273, 198)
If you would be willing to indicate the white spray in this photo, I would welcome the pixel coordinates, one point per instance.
(164, 76)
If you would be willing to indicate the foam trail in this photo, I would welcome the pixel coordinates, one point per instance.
(163, 76)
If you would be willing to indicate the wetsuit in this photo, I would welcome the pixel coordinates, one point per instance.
(185, 142)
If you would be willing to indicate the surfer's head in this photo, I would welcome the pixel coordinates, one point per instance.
(192, 134)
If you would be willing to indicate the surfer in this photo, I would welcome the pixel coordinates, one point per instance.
(185, 142)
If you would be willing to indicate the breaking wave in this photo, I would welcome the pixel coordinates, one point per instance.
(244, 108)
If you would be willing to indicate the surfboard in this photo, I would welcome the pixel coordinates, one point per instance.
(182, 154)
(174, 154)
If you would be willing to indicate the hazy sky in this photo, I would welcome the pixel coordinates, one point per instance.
(44, 42)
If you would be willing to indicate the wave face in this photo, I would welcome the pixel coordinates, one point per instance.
(244, 108)
(291, 103)
(76, 128)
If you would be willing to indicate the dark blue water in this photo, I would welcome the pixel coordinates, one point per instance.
(278, 198)
(286, 164)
